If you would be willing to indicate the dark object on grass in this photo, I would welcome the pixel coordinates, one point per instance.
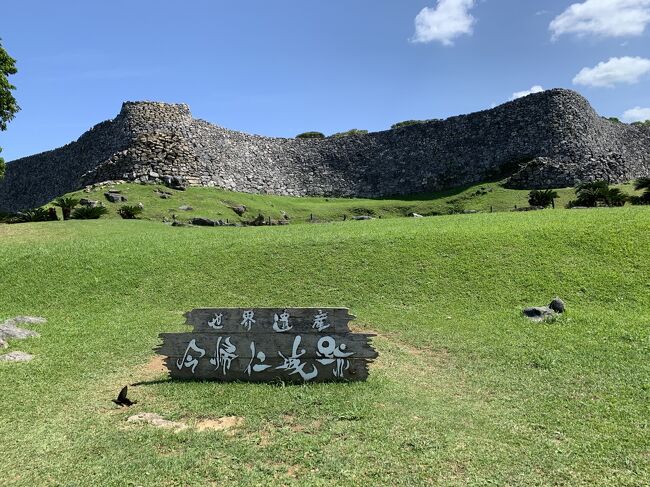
(362, 217)
(130, 212)
(122, 400)
(88, 202)
(203, 222)
(89, 213)
(240, 210)
(557, 305)
(539, 313)
(115, 197)
(30, 216)
(542, 197)
(175, 182)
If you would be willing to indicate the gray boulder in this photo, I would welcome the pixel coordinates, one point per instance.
(203, 222)
(16, 357)
(9, 330)
(115, 197)
(89, 202)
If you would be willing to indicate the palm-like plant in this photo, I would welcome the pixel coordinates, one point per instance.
(643, 183)
(89, 212)
(67, 204)
(543, 198)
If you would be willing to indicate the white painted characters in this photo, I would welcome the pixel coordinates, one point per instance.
(294, 364)
(281, 323)
(189, 360)
(327, 348)
(224, 354)
(216, 322)
(248, 319)
(320, 321)
(261, 357)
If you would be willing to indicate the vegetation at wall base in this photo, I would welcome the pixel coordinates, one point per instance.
(598, 193)
(466, 391)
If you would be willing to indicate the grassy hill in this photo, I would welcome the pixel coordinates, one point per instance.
(465, 391)
(217, 204)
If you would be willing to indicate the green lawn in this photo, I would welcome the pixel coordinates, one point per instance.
(465, 391)
(216, 203)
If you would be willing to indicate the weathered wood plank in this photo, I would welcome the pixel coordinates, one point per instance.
(242, 370)
(268, 344)
(249, 344)
(299, 320)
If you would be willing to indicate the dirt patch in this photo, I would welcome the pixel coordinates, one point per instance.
(155, 366)
(220, 424)
(156, 420)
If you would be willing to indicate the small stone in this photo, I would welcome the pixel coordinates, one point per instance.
(114, 197)
(240, 210)
(3, 344)
(539, 313)
(9, 330)
(415, 215)
(185, 208)
(29, 320)
(557, 305)
(16, 357)
(89, 202)
(362, 217)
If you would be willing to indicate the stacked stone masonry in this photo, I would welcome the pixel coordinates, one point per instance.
(550, 139)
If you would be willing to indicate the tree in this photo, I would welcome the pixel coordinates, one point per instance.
(543, 198)
(642, 184)
(593, 193)
(67, 204)
(8, 105)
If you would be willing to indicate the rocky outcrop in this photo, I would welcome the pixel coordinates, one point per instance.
(549, 139)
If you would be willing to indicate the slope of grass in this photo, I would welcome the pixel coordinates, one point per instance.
(217, 203)
(465, 391)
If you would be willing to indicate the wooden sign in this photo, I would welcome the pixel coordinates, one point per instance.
(268, 345)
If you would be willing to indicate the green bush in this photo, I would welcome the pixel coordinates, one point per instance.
(614, 119)
(597, 193)
(310, 135)
(129, 212)
(644, 199)
(642, 124)
(543, 198)
(349, 133)
(34, 215)
(89, 212)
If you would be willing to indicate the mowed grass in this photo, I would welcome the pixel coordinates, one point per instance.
(217, 203)
(465, 391)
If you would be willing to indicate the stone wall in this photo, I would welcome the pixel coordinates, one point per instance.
(550, 139)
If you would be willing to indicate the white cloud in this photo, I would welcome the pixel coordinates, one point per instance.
(448, 20)
(636, 114)
(521, 94)
(617, 70)
(609, 18)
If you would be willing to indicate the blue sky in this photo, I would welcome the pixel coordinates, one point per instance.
(282, 67)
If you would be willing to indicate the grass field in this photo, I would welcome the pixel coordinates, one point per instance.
(217, 203)
(465, 391)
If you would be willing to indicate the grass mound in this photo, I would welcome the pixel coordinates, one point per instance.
(466, 390)
(218, 204)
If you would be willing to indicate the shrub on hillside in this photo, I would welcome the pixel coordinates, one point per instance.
(614, 119)
(34, 215)
(349, 133)
(597, 193)
(543, 198)
(89, 212)
(310, 135)
(406, 123)
(644, 199)
(642, 124)
(129, 212)
(67, 204)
